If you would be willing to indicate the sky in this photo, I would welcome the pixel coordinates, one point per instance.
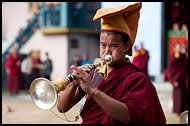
(149, 32)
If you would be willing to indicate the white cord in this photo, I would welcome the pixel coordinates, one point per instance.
(76, 118)
(61, 117)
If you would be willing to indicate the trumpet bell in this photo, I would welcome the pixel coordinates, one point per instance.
(43, 93)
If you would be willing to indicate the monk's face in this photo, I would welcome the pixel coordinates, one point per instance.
(14, 53)
(141, 45)
(177, 48)
(111, 44)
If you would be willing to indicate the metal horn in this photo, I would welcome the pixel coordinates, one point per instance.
(44, 92)
(184, 117)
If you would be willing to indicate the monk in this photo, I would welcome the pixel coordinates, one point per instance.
(144, 58)
(136, 57)
(36, 62)
(126, 96)
(13, 70)
(177, 74)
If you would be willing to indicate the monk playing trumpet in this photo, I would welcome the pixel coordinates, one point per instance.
(119, 93)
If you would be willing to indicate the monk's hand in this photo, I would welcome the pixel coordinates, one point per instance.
(75, 83)
(176, 84)
(84, 78)
(87, 68)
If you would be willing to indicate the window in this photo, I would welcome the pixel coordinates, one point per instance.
(74, 43)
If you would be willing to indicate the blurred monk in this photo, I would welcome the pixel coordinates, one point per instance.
(13, 69)
(144, 58)
(136, 57)
(36, 63)
(177, 74)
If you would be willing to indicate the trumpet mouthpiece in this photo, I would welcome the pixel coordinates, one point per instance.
(108, 59)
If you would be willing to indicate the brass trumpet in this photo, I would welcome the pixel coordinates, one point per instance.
(44, 92)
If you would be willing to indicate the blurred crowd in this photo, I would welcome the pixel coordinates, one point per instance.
(79, 60)
(22, 71)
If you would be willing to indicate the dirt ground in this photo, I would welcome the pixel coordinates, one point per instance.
(26, 112)
(21, 110)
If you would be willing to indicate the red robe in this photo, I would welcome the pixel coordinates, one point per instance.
(13, 80)
(136, 59)
(35, 68)
(130, 86)
(144, 57)
(178, 71)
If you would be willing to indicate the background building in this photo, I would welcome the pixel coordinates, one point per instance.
(64, 29)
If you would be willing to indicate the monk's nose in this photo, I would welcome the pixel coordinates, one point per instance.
(107, 51)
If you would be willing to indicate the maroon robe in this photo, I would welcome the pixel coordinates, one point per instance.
(35, 68)
(130, 86)
(136, 60)
(14, 77)
(166, 75)
(178, 71)
(144, 62)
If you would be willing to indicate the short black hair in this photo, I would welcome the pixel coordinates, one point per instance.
(125, 38)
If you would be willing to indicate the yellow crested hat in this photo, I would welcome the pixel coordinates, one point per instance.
(123, 19)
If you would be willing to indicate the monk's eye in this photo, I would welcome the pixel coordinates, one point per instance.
(114, 45)
(102, 45)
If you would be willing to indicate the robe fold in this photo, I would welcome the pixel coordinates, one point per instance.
(130, 86)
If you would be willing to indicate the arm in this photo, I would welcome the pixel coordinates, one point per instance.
(69, 97)
(114, 108)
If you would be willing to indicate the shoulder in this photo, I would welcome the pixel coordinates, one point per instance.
(138, 75)
(137, 83)
(131, 72)
(130, 67)
(137, 79)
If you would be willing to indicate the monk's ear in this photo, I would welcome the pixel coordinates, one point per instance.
(127, 46)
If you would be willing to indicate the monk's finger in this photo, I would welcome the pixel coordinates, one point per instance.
(89, 66)
(80, 72)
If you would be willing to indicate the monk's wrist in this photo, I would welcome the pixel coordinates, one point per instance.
(93, 92)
